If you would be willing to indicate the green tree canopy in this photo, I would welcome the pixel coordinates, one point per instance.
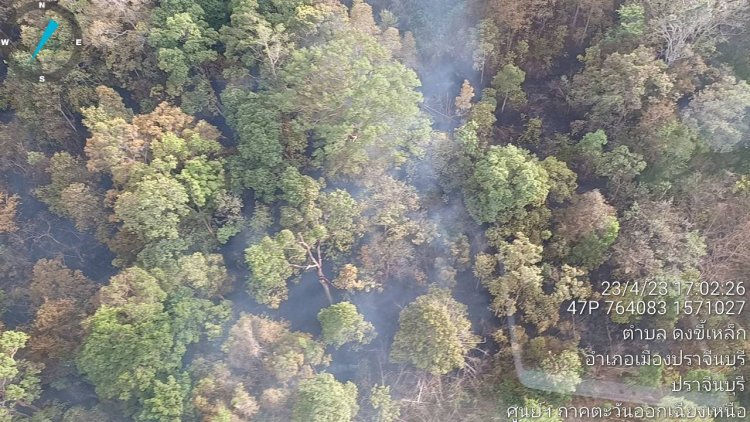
(123, 357)
(561, 372)
(317, 225)
(269, 268)
(507, 82)
(388, 410)
(167, 401)
(19, 379)
(720, 114)
(137, 339)
(450, 336)
(251, 38)
(342, 324)
(260, 151)
(323, 399)
(586, 229)
(521, 285)
(503, 183)
(153, 208)
(377, 116)
(257, 342)
(617, 87)
(183, 40)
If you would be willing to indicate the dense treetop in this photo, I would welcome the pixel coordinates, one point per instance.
(317, 210)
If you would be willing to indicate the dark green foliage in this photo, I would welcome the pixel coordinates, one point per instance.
(269, 268)
(19, 379)
(387, 409)
(123, 357)
(321, 165)
(342, 323)
(507, 82)
(154, 208)
(259, 159)
(632, 19)
(137, 339)
(167, 402)
(183, 41)
(589, 252)
(64, 170)
(323, 399)
(451, 339)
(216, 12)
(378, 118)
(503, 183)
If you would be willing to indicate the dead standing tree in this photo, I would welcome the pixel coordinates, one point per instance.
(315, 255)
(684, 24)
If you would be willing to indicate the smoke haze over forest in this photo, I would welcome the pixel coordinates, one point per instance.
(377, 211)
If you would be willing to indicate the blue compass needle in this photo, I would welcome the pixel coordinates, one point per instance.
(48, 33)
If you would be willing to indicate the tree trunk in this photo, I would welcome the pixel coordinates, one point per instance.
(323, 280)
(586, 27)
(70, 123)
(510, 42)
(317, 260)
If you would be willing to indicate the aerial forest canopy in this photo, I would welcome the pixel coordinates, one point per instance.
(377, 211)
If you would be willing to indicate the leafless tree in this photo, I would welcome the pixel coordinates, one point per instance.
(683, 24)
